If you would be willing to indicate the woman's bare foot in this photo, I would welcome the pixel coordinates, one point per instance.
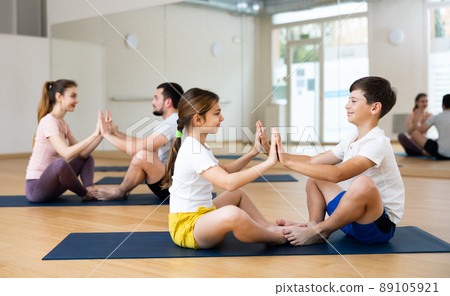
(91, 193)
(111, 193)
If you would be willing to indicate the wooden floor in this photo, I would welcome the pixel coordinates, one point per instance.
(28, 234)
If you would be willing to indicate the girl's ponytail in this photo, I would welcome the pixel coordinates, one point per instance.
(167, 179)
(194, 101)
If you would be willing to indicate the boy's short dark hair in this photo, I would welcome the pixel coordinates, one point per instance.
(377, 89)
(446, 101)
(171, 90)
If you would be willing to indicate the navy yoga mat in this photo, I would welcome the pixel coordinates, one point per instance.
(73, 200)
(263, 178)
(127, 245)
(111, 168)
(418, 156)
(234, 156)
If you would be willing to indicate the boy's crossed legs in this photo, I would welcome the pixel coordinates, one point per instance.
(362, 204)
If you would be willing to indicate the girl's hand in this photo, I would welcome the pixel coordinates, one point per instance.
(273, 158)
(261, 141)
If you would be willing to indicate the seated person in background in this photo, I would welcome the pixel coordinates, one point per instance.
(150, 154)
(416, 119)
(58, 158)
(439, 148)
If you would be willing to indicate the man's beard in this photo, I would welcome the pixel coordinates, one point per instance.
(157, 113)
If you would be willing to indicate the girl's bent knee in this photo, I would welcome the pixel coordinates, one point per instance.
(232, 215)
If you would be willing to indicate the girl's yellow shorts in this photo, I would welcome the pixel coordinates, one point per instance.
(181, 227)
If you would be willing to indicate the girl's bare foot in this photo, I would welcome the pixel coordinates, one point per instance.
(283, 222)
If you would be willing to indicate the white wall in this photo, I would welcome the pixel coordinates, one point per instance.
(60, 11)
(174, 45)
(24, 66)
(404, 65)
(84, 63)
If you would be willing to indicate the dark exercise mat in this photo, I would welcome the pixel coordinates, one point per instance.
(418, 156)
(127, 245)
(235, 156)
(138, 199)
(73, 200)
(263, 178)
(111, 168)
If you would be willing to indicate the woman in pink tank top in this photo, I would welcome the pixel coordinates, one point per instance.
(415, 120)
(58, 158)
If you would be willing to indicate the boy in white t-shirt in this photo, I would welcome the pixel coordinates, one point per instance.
(373, 204)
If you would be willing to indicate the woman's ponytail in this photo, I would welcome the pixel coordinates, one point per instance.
(46, 103)
(48, 99)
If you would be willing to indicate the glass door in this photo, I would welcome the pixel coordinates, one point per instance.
(304, 90)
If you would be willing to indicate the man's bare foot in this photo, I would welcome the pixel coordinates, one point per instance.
(302, 236)
(110, 193)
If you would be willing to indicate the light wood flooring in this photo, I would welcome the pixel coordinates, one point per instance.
(28, 234)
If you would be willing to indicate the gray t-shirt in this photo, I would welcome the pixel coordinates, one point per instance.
(168, 128)
(442, 123)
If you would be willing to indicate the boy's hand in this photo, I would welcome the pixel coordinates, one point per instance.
(280, 149)
(273, 158)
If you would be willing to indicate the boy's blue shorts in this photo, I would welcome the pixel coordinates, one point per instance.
(379, 231)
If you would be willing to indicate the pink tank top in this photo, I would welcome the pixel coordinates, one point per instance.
(43, 152)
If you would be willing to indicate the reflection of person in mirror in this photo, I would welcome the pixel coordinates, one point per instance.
(415, 120)
(439, 148)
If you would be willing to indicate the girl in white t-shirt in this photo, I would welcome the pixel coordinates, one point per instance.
(195, 219)
(58, 158)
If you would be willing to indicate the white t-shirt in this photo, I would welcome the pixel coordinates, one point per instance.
(189, 190)
(43, 151)
(385, 173)
(168, 128)
(442, 123)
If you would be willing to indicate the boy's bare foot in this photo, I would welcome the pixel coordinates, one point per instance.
(302, 236)
(111, 193)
